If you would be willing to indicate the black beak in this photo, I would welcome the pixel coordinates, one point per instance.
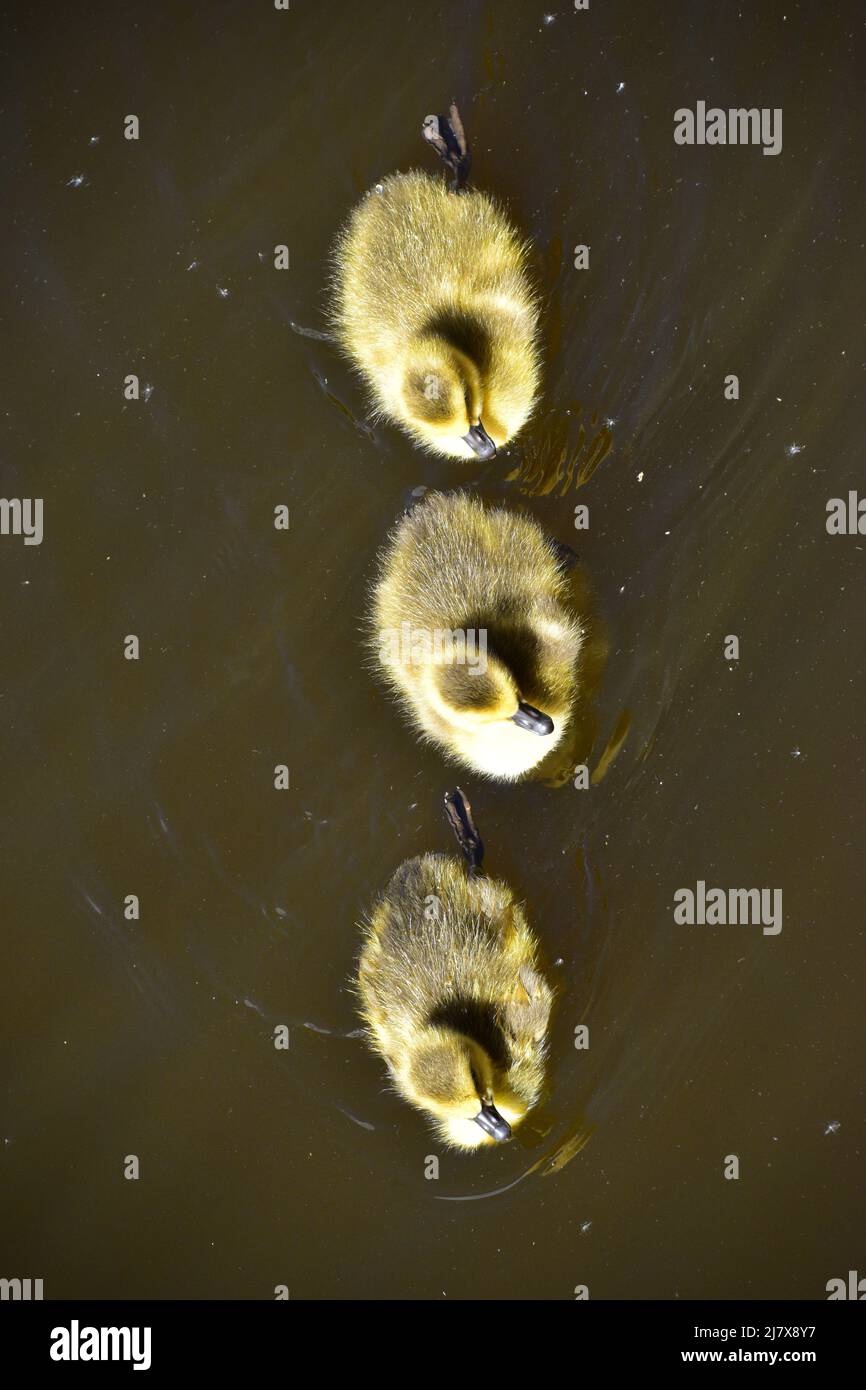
(480, 442)
(492, 1122)
(528, 717)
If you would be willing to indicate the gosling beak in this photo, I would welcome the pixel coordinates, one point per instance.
(492, 1122)
(480, 442)
(528, 717)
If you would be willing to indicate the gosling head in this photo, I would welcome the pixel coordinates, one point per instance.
(455, 1081)
(472, 700)
(443, 399)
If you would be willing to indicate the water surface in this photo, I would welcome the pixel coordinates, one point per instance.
(707, 518)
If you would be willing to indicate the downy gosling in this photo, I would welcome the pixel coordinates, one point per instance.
(433, 305)
(451, 995)
(471, 627)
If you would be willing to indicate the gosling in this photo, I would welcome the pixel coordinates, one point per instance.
(472, 630)
(433, 305)
(451, 994)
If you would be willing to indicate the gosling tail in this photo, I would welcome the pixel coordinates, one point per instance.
(459, 814)
(448, 138)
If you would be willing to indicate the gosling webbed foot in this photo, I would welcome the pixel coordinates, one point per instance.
(448, 138)
(459, 814)
(528, 1011)
(415, 496)
(567, 557)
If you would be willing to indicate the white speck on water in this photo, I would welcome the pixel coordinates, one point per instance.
(585, 1227)
(620, 87)
(549, 18)
(610, 422)
(94, 139)
(833, 1127)
(640, 477)
(380, 188)
(795, 753)
(77, 181)
(792, 449)
(193, 265)
(222, 291)
(146, 392)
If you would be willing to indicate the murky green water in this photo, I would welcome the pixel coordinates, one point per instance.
(707, 518)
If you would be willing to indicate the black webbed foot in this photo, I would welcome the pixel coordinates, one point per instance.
(459, 814)
(567, 557)
(448, 138)
(415, 496)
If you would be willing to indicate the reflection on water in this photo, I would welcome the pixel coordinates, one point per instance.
(156, 778)
(552, 1162)
(564, 456)
(575, 748)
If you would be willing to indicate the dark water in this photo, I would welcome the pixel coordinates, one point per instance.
(707, 518)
